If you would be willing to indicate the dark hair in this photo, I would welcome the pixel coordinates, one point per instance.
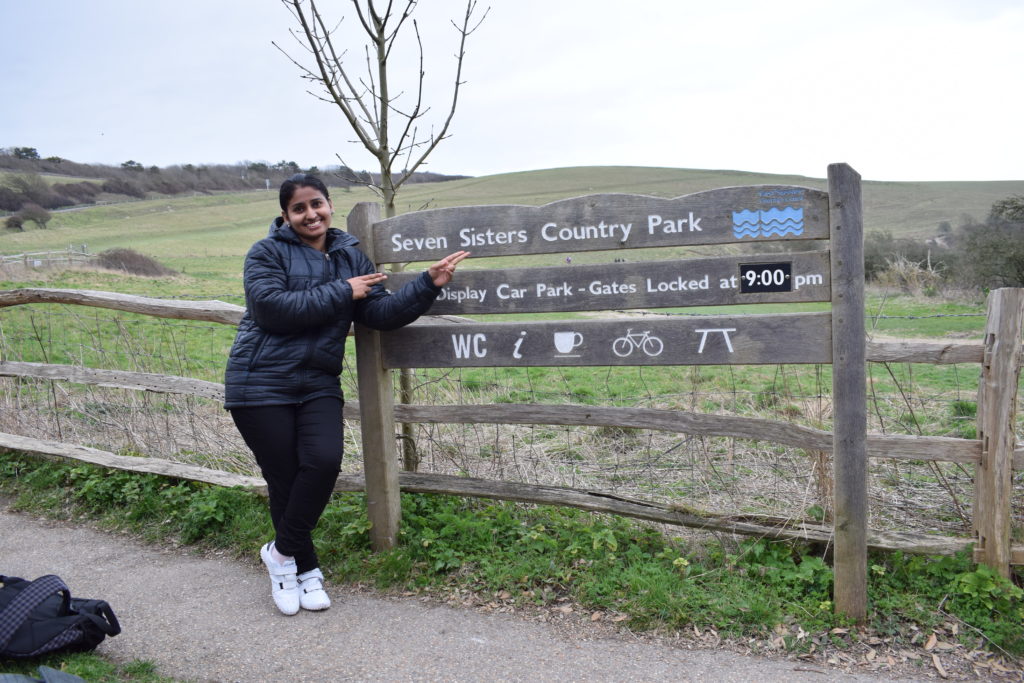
(298, 180)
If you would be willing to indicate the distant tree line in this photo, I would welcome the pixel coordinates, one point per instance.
(985, 255)
(23, 183)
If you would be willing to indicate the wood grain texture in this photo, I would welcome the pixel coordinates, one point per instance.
(376, 400)
(676, 340)
(210, 311)
(159, 466)
(497, 490)
(849, 391)
(605, 222)
(997, 411)
(120, 379)
(614, 286)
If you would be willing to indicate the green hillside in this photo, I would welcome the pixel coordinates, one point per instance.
(905, 209)
(206, 235)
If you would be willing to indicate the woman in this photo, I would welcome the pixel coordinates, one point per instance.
(305, 283)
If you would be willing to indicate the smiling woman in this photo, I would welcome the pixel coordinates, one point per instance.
(309, 213)
(305, 284)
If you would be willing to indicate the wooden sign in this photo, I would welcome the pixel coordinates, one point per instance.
(606, 222)
(670, 340)
(801, 277)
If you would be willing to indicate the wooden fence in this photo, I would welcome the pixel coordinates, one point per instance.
(604, 222)
(73, 255)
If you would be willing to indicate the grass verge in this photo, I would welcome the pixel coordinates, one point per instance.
(87, 666)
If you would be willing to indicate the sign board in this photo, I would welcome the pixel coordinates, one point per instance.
(619, 286)
(669, 340)
(613, 222)
(606, 222)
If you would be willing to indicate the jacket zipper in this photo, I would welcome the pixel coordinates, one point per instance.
(325, 279)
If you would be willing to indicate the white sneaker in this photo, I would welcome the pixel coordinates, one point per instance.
(283, 582)
(312, 595)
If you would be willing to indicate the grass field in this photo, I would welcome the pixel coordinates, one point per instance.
(211, 225)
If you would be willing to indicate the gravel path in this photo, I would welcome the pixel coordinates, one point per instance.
(203, 619)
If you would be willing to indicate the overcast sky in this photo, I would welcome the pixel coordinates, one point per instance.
(899, 89)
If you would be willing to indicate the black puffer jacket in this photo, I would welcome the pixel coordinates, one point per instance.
(299, 308)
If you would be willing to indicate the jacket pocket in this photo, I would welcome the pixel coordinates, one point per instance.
(257, 351)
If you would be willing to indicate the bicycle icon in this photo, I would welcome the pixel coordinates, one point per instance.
(629, 342)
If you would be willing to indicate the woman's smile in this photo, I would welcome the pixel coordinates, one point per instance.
(309, 214)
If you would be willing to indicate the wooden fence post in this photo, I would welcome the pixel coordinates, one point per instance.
(376, 408)
(997, 407)
(849, 391)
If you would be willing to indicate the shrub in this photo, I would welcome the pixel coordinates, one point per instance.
(36, 214)
(15, 222)
(882, 251)
(79, 193)
(131, 261)
(9, 199)
(30, 188)
(126, 187)
(910, 277)
(993, 254)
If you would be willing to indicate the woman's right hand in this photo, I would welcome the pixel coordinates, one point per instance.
(362, 284)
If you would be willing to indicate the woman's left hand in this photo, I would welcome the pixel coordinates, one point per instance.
(442, 271)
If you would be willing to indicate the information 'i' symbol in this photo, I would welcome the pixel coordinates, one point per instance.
(519, 342)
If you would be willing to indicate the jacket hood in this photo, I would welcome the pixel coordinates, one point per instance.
(336, 239)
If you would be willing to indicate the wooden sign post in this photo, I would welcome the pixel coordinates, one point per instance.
(377, 412)
(849, 393)
(616, 222)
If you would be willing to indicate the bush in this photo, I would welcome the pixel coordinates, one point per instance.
(79, 193)
(9, 199)
(125, 187)
(911, 277)
(30, 188)
(15, 222)
(133, 262)
(993, 254)
(36, 214)
(883, 252)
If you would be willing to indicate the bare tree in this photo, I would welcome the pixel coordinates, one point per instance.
(385, 129)
(382, 124)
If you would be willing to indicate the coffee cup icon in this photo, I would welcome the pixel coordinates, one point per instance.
(565, 342)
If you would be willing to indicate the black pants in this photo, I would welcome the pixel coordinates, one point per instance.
(298, 449)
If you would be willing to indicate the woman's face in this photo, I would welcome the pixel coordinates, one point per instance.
(309, 213)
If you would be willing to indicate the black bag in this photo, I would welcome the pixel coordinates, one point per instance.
(39, 617)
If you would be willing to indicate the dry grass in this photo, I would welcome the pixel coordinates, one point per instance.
(712, 474)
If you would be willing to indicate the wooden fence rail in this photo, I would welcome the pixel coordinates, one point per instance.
(891, 446)
(48, 259)
(592, 501)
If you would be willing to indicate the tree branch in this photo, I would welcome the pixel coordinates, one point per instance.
(464, 32)
(319, 46)
(367, 102)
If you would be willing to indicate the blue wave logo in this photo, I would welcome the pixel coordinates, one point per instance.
(774, 222)
(746, 224)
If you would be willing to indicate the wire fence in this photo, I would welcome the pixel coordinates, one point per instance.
(74, 255)
(696, 473)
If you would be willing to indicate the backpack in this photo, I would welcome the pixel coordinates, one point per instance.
(39, 617)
